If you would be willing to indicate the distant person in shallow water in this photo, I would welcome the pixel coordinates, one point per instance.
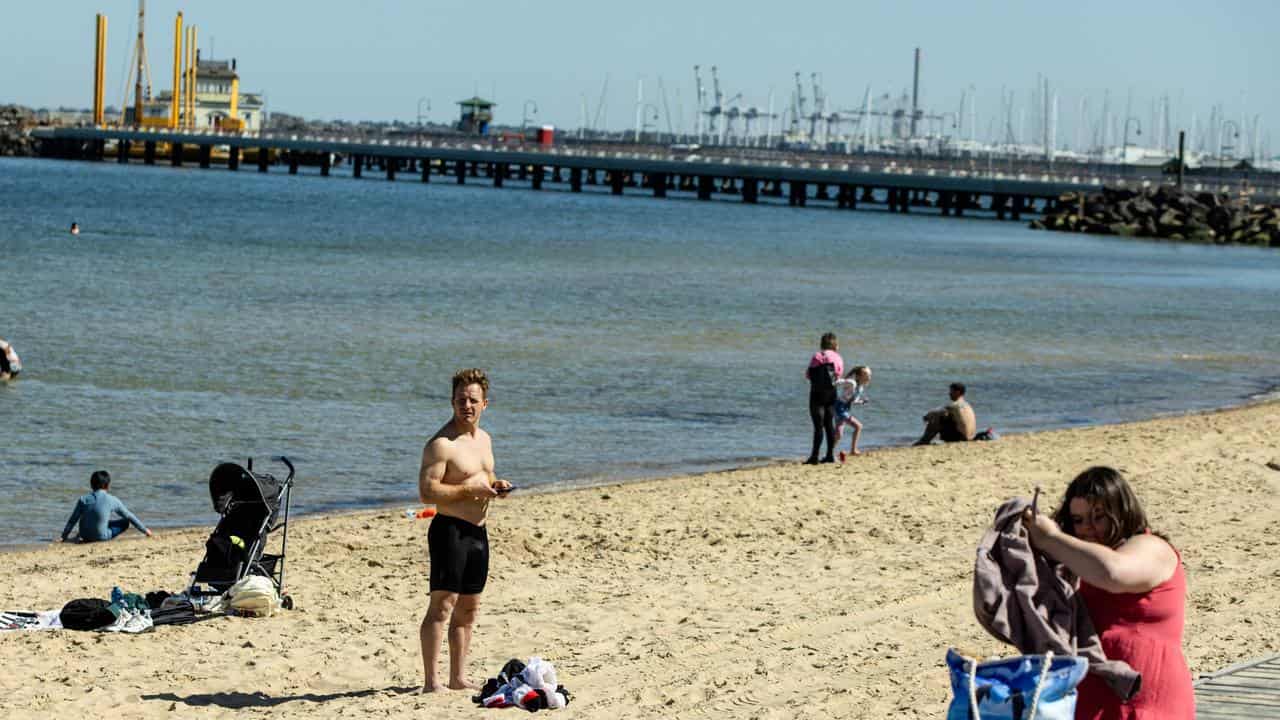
(75, 228)
(953, 422)
(825, 368)
(93, 512)
(10, 365)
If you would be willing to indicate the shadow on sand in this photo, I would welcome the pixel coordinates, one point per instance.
(238, 700)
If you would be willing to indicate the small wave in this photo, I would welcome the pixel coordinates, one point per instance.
(1212, 357)
(1268, 395)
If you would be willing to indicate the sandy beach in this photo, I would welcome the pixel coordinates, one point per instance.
(775, 592)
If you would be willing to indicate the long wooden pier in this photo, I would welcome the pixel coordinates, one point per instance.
(842, 184)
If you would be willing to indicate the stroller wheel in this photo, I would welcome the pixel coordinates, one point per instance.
(286, 602)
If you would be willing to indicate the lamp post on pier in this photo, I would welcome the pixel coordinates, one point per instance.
(1124, 151)
(649, 121)
(1223, 147)
(420, 114)
(524, 118)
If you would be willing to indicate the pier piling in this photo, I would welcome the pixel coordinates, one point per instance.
(233, 158)
(706, 184)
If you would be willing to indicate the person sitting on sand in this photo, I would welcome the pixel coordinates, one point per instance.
(1134, 587)
(851, 390)
(10, 365)
(94, 511)
(953, 422)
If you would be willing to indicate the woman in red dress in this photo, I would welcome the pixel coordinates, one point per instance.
(1133, 584)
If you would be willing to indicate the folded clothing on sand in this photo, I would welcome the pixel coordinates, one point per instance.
(25, 620)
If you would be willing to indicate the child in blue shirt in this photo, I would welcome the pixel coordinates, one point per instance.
(94, 511)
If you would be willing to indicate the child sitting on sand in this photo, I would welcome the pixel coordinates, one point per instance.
(851, 390)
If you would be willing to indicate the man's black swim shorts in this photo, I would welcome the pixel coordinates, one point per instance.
(459, 555)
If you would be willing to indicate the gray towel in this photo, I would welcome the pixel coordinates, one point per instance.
(1022, 597)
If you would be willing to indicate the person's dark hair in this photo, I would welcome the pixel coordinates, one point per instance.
(99, 480)
(828, 341)
(1108, 488)
(471, 376)
(958, 387)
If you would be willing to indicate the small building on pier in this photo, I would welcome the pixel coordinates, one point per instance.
(475, 115)
(216, 80)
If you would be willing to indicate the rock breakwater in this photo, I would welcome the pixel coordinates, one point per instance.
(14, 138)
(1167, 213)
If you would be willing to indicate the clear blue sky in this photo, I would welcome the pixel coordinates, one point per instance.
(375, 60)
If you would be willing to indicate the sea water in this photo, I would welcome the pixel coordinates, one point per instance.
(203, 316)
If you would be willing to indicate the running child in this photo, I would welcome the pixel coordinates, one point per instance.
(851, 390)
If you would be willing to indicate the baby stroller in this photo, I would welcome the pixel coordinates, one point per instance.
(250, 505)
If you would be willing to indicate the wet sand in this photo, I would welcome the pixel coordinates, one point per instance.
(772, 592)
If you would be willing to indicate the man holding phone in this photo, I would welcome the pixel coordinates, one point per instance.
(457, 475)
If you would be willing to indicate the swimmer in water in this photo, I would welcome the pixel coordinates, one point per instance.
(75, 228)
(10, 365)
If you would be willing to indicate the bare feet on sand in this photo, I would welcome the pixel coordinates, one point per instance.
(463, 685)
(453, 685)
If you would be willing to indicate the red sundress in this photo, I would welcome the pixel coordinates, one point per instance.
(1144, 630)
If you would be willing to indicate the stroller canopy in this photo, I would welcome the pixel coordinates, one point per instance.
(232, 483)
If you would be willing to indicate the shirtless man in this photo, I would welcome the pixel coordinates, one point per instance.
(953, 422)
(457, 475)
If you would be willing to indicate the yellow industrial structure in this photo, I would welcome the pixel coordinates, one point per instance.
(205, 95)
(99, 59)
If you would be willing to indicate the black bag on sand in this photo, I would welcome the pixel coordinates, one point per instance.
(176, 613)
(86, 614)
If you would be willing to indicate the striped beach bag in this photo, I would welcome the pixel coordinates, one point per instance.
(1023, 687)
